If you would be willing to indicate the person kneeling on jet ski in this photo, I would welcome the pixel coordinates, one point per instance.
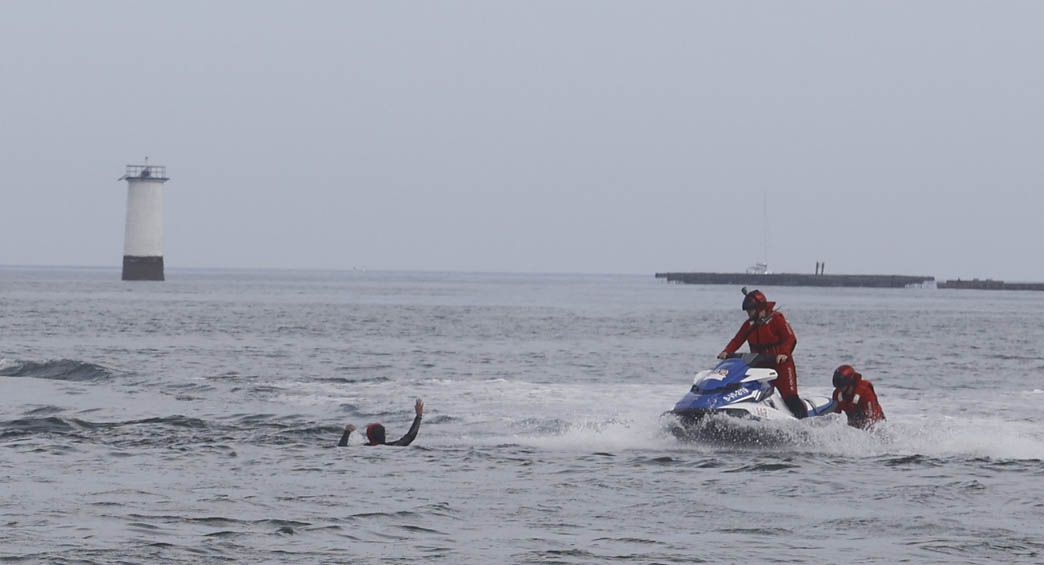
(375, 432)
(768, 333)
(856, 398)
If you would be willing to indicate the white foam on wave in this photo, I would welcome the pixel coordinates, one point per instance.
(949, 436)
(830, 435)
(587, 418)
(438, 381)
(592, 434)
(638, 426)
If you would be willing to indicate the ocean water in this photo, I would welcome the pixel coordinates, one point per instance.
(195, 421)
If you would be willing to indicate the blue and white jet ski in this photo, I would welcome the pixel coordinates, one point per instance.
(739, 386)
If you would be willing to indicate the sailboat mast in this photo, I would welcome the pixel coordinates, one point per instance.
(764, 227)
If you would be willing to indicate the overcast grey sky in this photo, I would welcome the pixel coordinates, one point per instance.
(891, 137)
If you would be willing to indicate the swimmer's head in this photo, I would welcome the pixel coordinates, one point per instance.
(375, 434)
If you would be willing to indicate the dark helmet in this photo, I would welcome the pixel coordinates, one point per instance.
(845, 376)
(753, 300)
(375, 433)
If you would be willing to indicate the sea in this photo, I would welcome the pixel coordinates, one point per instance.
(196, 420)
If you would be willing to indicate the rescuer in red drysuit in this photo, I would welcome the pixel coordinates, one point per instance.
(768, 333)
(856, 398)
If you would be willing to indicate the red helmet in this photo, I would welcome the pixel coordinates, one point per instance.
(754, 300)
(375, 433)
(846, 376)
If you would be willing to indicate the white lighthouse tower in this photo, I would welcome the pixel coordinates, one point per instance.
(143, 240)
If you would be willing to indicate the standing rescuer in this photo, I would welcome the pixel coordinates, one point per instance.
(856, 398)
(768, 333)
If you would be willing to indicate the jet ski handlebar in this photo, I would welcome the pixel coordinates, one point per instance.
(754, 359)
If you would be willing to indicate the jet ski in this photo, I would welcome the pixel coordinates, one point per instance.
(739, 387)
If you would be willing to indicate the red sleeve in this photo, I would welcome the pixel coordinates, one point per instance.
(871, 408)
(741, 336)
(781, 327)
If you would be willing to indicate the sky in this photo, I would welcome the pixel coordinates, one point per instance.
(890, 137)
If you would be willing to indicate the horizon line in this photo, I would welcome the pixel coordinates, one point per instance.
(456, 271)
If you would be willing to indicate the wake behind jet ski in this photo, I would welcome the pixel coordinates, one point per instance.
(739, 386)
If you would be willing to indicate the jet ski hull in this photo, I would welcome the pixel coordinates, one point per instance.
(735, 391)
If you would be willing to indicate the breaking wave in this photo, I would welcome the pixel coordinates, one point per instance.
(58, 370)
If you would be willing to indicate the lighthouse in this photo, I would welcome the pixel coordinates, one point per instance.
(143, 240)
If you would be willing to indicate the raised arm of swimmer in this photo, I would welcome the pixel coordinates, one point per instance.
(411, 435)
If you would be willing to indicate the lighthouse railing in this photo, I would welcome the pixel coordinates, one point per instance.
(145, 171)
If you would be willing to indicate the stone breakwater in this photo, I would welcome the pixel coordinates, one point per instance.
(796, 279)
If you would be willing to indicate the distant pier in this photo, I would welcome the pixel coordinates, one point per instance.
(989, 284)
(796, 279)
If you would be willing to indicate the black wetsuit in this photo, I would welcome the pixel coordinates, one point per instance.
(401, 442)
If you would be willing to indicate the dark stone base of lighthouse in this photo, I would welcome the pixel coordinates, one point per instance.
(142, 268)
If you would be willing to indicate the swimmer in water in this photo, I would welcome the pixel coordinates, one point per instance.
(375, 432)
